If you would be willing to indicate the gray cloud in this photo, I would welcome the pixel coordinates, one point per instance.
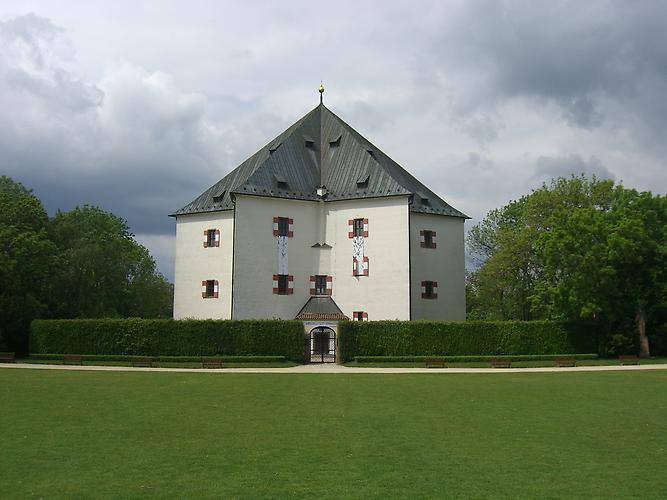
(482, 101)
(567, 53)
(551, 167)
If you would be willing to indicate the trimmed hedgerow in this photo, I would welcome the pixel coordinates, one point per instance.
(469, 338)
(165, 359)
(469, 359)
(161, 337)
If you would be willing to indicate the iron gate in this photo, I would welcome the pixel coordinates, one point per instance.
(322, 345)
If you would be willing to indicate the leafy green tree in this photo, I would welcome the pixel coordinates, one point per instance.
(103, 271)
(575, 249)
(608, 264)
(26, 262)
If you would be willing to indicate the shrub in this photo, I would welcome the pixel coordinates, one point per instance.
(163, 337)
(166, 359)
(471, 338)
(468, 359)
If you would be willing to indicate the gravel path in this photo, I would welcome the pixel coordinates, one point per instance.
(333, 368)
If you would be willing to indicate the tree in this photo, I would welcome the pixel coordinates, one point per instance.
(26, 262)
(103, 271)
(575, 249)
(608, 264)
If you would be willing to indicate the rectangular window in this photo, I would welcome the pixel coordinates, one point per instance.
(210, 289)
(283, 284)
(427, 239)
(359, 316)
(429, 289)
(360, 268)
(357, 227)
(282, 226)
(211, 238)
(320, 285)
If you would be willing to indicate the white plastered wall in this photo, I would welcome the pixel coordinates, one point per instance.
(444, 264)
(385, 292)
(195, 263)
(256, 256)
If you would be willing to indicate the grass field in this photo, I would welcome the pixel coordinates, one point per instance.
(157, 435)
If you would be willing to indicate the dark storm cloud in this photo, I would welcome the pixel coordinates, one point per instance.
(482, 101)
(133, 143)
(572, 54)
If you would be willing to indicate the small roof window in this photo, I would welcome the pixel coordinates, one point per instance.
(281, 182)
(362, 180)
(274, 147)
(335, 142)
(218, 195)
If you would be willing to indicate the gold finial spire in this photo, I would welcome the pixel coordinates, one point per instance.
(321, 90)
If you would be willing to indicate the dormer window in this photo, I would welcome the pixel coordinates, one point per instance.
(273, 148)
(310, 144)
(218, 196)
(281, 182)
(336, 142)
(362, 181)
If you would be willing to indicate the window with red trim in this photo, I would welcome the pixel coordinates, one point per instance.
(321, 285)
(429, 289)
(427, 239)
(283, 284)
(359, 316)
(211, 238)
(283, 226)
(210, 289)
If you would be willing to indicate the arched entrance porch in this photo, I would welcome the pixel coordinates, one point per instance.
(322, 345)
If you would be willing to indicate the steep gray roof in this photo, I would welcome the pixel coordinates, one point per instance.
(320, 149)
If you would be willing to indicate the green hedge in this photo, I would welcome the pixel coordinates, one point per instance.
(469, 359)
(163, 337)
(165, 359)
(469, 338)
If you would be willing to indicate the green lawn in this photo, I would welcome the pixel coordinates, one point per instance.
(515, 364)
(157, 435)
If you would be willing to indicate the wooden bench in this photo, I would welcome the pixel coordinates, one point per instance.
(433, 362)
(501, 363)
(566, 361)
(145, 361)
(211, 362)
(9, 357)
(628, 359)
(72, 359)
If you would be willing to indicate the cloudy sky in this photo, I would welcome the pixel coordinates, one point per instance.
(137, 107)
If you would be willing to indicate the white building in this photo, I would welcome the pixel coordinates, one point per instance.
(319, 225)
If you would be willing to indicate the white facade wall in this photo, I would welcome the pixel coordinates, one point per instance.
(256, 256)
(194, 263)
(249, 251)
(444, 264)
(385, 292)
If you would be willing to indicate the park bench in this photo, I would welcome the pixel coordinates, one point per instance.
(566, 361)
(145, 361)
(9, 357)
(433, 362)
(501, 363)
(211, 362)
(72, 359)
(628, 359)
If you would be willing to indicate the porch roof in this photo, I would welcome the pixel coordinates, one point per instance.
(321, 308)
